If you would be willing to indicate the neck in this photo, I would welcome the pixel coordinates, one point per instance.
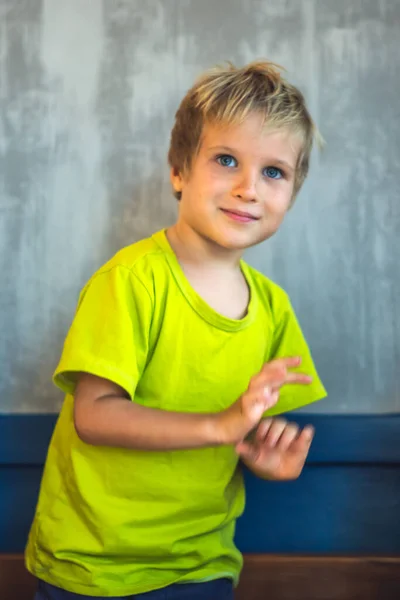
(193, 249)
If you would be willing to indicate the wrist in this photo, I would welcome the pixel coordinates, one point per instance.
(215, 429)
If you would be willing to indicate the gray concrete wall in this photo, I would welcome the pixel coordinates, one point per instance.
(88, 90)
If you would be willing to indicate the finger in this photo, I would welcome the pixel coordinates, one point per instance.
(288, 435)
(298, 378)
(263, 429)
(276, 376)
(304, 440)
(275, 432)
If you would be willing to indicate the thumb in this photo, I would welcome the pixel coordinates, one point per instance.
(257, 409)
(270, 397)
(265, 400)
(247, 451)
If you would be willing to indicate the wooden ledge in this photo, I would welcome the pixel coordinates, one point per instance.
(270, 577)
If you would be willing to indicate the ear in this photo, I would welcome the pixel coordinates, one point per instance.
(176, 179)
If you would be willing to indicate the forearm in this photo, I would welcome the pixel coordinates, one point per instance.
(106, 415)
(116, 421)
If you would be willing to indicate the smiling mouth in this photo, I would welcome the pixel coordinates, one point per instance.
(240, 216)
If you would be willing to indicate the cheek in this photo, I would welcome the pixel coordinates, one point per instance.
(278, 201)
(204, 191)
(213, 187)
(209, 192)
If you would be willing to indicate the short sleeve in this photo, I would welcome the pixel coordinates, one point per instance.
(288, 340)
(109, 336)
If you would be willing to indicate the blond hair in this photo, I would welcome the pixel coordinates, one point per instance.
(228, 95)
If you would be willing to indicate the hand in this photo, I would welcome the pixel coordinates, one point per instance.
(278, 450)
(238, 420)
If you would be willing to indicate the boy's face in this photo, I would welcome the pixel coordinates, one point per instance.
(240, 184)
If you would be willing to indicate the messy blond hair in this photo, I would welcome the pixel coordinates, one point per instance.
(228, 95)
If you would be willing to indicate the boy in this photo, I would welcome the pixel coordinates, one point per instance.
(177, 350)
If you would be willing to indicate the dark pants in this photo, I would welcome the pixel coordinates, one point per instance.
(219, 589)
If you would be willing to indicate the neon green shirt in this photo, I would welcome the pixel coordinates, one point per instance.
(115, 522)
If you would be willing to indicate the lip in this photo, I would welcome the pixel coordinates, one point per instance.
(239, 215)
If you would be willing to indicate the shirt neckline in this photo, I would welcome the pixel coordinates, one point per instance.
(196, 301)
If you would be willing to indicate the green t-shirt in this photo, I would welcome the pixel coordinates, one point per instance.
(115, 522)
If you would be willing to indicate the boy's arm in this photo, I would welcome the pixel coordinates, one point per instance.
(278, 449)
(105, 415)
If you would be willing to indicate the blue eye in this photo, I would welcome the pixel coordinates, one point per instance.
(273, 173)
(225, 160)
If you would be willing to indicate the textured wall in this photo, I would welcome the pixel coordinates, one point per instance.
(88, 91)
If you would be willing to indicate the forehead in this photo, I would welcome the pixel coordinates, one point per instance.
(252, 138)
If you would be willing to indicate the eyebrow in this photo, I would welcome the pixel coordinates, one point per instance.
(275, 161)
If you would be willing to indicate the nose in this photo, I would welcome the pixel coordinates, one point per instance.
(245, 187)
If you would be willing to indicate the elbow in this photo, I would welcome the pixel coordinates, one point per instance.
(83, 428)
(85, 435)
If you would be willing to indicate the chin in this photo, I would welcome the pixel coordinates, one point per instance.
(237, 240)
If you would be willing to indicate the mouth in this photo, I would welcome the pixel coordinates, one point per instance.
(241, 216)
